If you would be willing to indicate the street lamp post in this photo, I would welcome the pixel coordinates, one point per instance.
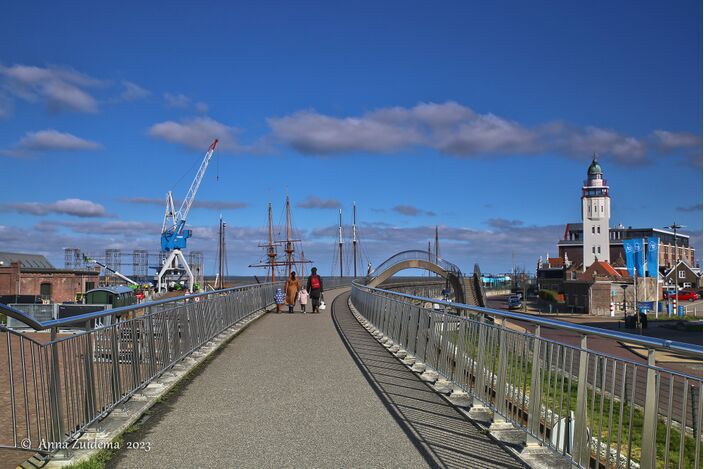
(625, 316)
(674, 227)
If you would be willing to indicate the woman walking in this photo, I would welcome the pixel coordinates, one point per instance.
(292, 288)
(315, 288)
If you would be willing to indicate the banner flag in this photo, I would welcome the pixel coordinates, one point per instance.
(653, 256)
(628, 248)
(638, 253)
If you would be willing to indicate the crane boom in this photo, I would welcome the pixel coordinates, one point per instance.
(173, 235)
(182, 213)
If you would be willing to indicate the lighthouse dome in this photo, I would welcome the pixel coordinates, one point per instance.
(594, 170)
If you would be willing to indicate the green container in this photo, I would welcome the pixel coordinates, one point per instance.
(114, 296)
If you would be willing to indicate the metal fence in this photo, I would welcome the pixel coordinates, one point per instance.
(595, 409)
(54, 385)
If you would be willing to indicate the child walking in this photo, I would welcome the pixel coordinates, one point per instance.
(279, 299)
(303, 299)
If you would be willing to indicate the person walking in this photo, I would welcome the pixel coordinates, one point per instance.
(292, 288)
(314, 286)
(303, 299)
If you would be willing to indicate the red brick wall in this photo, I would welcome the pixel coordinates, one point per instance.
(64, 285)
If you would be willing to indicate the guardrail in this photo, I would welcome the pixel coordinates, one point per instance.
(595, 409)
(55, 385)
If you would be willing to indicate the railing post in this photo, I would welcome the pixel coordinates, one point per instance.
(136, 360)
(89, 374)
(536, 393)
(115, 355)
(479, 397)
(152, 344)
(650, 418)
(501, 371)
(582, 448)
(57, 418)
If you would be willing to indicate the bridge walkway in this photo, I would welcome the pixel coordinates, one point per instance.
(309, 390)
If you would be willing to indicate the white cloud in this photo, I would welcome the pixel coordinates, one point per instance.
(204, 204)
(316, 202)
(7, 107)
(60, 88)
(450, 128)
(667, 140)
(133, 92)
(197, 133)
(313, 133)
(177, 100)
(50, 140)
(74, 207)
(411, 211)
(181, 101)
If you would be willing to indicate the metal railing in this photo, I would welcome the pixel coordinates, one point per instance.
(595, 409)
(54, 385)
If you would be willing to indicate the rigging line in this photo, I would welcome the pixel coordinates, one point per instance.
(188, 171)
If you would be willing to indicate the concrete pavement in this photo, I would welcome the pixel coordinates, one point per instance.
(288, 392)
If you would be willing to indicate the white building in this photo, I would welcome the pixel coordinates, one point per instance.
(596, 212)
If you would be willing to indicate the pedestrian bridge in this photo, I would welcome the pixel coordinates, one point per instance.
(465, 289)
(374, 380)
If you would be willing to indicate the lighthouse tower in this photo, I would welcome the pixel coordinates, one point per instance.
(596, 212)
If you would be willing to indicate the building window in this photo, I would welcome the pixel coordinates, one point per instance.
(598, 229)
(599, 249)
(593, 250)
(90, 286)
(681, 274)
(45, 291)
(593, 230)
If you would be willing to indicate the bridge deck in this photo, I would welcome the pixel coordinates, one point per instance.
(309, 391)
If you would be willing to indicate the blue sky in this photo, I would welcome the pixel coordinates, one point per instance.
(479, 118)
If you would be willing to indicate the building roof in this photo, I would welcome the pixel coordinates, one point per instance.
(556, 262)
(594, 168)
(117, 289)
(31, 261)
(599, 269)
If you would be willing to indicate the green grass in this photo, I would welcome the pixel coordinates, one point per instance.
(100, 459)
(665, 317)
(562, 397)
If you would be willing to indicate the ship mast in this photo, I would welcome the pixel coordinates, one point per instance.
(340, 242)
(354, 236)
(271, 249)
(289, 243)
(220, 284)
(303, 265)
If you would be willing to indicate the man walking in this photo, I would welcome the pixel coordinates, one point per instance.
(314, 287)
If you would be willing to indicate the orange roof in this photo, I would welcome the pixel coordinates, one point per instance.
(556, 262)
(600, 269)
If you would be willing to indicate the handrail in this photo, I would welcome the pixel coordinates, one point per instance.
(82, 318)
(681, 347)
(416, 254)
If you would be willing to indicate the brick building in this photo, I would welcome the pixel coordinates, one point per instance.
(23, 275)
(597, 288)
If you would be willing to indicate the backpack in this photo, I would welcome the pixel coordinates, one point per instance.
(315, 282)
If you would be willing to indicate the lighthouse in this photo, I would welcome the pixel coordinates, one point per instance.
(596, 212)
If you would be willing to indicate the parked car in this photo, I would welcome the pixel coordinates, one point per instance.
(514, 301)
(684, 295)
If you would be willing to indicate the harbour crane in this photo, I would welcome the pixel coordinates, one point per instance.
(89, 260)
(174, 233)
